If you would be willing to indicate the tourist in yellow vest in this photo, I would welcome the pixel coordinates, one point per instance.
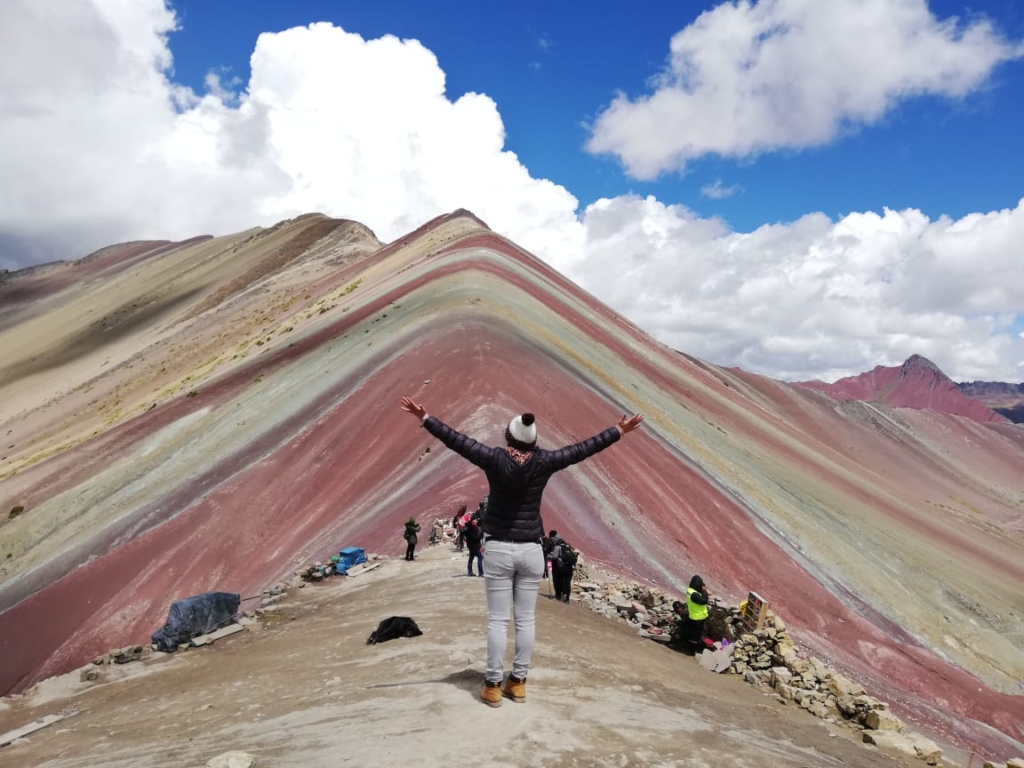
(697, 614)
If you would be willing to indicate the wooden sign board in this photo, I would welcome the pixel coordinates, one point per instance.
(755, 610)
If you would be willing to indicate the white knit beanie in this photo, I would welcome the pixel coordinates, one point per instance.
(522, 429)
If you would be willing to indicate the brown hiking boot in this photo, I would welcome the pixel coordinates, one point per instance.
(515, 689)
(491, 693)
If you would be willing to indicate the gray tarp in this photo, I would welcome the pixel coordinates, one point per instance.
(196, 616)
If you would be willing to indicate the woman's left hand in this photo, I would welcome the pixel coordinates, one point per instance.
(415, 409)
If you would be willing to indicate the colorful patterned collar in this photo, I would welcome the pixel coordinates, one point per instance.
(519, 457)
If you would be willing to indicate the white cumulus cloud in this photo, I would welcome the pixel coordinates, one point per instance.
(97, 144)
(815, 298)
(751, 77)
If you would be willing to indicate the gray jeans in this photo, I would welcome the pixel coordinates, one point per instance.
(513, 572)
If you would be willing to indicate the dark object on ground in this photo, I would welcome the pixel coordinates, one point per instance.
(717, 625)
(395, 626)
(196, 616)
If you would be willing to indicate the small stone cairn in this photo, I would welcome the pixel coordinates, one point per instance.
(312, 572)
(766, 657)
(315, 571)
(124, 655)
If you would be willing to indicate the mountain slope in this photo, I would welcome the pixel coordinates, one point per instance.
(240, 415)
(1005, 399)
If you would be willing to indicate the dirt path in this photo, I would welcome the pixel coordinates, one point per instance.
(305, 690)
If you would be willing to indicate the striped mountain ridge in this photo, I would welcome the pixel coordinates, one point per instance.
(183, 417)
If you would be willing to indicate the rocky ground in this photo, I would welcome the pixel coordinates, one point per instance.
(302, 688)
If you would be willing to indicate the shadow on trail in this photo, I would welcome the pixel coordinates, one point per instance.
(466, 679)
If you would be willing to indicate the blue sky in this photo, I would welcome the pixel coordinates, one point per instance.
(801, 189)
(551, 68)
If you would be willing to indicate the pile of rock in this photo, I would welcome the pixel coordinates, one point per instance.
(758, 651)
(317, 571)
(274, 592)
(113, 656)
(121, 655)
(768, 657)
(649, 609)
(765, 657)
(442, 532)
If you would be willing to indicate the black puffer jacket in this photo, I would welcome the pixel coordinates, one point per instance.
(513, 509)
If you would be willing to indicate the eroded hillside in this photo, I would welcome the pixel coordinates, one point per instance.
(204, 415)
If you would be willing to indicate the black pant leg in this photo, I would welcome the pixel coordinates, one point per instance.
(561, 580)
(695, 634)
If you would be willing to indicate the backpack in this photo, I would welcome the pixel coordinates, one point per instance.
(570, 556)
(473, 534)
(564, 556)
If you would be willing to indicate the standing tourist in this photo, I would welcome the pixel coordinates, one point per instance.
(697, 614)
(516, 473)
(411, 529)
(563, 563)
(474, 541)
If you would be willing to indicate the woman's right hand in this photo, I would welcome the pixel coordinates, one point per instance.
(628, 424)
(415, 409)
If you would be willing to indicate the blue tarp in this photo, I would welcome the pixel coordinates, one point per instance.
(349, 556)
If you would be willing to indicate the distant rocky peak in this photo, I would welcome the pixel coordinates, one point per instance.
(918, 364)
(918, 383)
